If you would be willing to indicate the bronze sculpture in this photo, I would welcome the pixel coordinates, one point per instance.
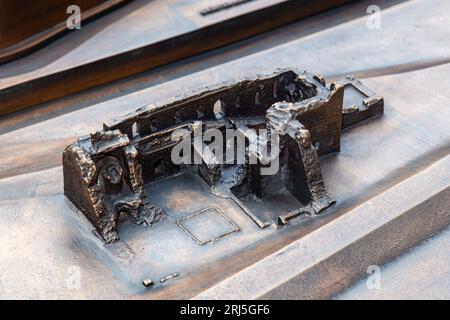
(105, 173)
(26, 26)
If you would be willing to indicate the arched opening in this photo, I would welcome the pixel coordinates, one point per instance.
(134, 130)
(257, 99)
(219, 109)
(275, 89)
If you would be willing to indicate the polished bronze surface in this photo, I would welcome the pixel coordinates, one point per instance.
(28, 25)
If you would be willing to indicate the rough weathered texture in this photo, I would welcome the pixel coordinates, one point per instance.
(105, 173)
(102, 178)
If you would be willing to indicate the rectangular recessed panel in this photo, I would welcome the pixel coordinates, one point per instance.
(207, 225)
(352, 96)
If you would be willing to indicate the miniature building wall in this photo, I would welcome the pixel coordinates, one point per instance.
(239, 99)
(105, 173)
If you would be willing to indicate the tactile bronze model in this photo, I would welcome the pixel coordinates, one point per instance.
(106, 172)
